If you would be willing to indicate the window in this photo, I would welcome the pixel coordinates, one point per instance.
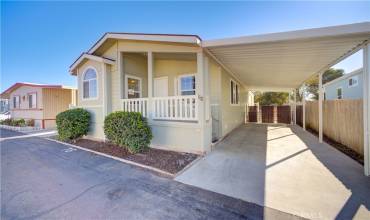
(133, 85)
(32, 100)
(187, 85)
(234, 93)
(90, 84)
(353, 81)
(339, 93)
(16, 101)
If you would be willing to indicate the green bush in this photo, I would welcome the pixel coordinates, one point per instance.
(20, 122)
(129, 130)
(72, 124)
(14, 122)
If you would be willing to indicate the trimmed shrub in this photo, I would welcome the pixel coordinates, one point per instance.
(30, 122)
(20, 122)
(129, 130)
(14, 122)
(72, 124)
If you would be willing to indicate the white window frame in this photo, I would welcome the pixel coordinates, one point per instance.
(179, 83)
(353, 85)
(19, 102)
(336, 92)
(140, 84)
(235, 95)
(97, 84)
(28, 97)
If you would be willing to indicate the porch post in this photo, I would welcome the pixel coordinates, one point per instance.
(320, 108)
(366, 107)
(202, 91)
(150, 86)
(304, 108)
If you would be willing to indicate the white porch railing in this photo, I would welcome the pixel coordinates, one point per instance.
(136, 105)
(182, 108)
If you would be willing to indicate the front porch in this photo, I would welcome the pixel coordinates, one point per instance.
(172, 108)
(162, 86)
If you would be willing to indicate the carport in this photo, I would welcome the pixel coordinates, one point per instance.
(283, 166)
(283, 61)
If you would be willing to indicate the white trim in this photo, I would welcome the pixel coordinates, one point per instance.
(90, 57)
(146, 37)
(97, 84)
(179, 83)
(366, 106)
(349, 29)
(126, 85)
(237, 95)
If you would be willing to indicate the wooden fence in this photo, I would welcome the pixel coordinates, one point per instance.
(342, 121)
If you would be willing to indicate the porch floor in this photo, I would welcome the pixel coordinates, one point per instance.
(285, 168)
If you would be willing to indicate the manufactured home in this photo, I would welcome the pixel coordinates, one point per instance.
(39, 102)
(195, 91)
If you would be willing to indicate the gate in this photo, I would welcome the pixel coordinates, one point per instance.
(283, 114)
(267, 114)
(252, 113)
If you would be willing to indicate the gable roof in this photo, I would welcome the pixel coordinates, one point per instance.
(175, 38)
(344, 77)
(17, 85)
(84, 56)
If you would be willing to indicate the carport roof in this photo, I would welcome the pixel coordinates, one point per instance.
(285, 60)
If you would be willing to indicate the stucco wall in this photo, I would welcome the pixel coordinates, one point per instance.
(348, 92)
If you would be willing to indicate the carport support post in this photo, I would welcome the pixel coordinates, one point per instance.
(304, 108)
(295, 106)
(320, 108)
(366, 107)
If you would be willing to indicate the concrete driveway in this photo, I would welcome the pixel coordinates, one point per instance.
(41, 179)
(285, 168)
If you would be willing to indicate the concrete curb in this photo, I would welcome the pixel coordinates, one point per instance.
(119, 159)
(188, 166)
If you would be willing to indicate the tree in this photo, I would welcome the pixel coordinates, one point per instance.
(312, 85)
(271, 98)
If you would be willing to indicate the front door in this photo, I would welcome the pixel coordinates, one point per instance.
(161, 87)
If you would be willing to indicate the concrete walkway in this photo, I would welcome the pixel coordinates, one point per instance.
(285, 168)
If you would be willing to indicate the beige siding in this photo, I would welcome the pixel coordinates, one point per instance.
(172, 69)
(56, 101)
(135, 64)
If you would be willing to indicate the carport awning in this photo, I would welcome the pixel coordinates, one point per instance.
(284, 60)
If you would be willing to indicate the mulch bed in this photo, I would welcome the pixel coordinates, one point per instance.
(342, 148)
(169, 161)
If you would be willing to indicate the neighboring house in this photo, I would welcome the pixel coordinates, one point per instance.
(38, 102)
(4, 105)
(348, 86)
(169, 79)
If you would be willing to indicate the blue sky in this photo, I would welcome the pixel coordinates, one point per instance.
(39, 40)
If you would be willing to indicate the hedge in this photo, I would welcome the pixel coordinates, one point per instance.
(72, 124)
(129, 130)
